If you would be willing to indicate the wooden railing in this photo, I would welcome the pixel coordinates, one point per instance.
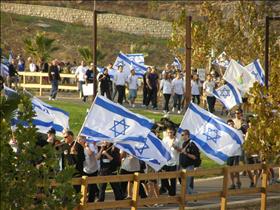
(39, 80)
(181, 197)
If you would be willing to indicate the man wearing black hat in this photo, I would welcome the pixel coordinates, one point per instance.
(51, 137)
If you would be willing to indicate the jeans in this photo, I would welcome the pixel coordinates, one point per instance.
(190, 181)
(121, 93)
(54, 88)
(145, 95)
(170, 186)
(177, 101)
(211, 103)
(152, 96)
(81, 89)
(92, 188)
(166, 101)
(107, 92)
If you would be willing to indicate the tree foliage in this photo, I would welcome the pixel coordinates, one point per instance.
(87, 54)
(21, 172)
(40, 46)
(238, 28)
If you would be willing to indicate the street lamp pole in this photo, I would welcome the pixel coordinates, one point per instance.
(266, 53)
(94, 50)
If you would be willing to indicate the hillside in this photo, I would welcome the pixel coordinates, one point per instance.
(14, 28)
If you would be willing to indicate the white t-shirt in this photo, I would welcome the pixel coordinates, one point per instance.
(80, 72)
(178, 86)
(132, 81)
(32, 67)
(120, 78)
(174, 153)
(112, 73)
(91, 164)
(195, 87)
(209, 86)
(166, 86)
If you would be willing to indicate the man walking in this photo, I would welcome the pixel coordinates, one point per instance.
(54, 78)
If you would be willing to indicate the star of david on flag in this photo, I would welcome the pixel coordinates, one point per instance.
(119, 127)
(228, 95)
(211, 134)
(108, 121)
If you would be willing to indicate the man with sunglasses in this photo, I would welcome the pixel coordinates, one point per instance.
(73, 155)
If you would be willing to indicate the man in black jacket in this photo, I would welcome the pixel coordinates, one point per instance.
(73, 155)
(54, 77)
(189, 158)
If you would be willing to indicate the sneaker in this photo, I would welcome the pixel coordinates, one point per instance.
(50, 98)
(179, 112)
(173, 109)
(232, 187)
(252, 185)
(238, 185)
(133, 105)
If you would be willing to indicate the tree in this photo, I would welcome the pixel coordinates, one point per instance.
(40, 46)
(238, 28)
(87, 55)
(23, 171)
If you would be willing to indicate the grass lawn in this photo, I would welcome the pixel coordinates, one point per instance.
(77, 112)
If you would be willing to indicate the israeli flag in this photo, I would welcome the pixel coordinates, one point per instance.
(137, 57)
(177, 63)
(148, 149)
(257, 71)
(214, 137)
(222, 60)
(128, 64)
(46, 116)
(239, 77)
(4, 70)
(228, 95)
(107, 121)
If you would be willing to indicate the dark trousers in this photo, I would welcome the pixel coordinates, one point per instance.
(54, 88)
(145, 95)
(121, 93)
(177, 99)
(107, 92)
(170, 186)
(142, 192)
(166, 101)
(152, 96)
(115, 186)
(196, 99)
(211, 103)
(92, 188)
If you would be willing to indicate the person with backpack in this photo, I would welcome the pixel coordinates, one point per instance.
(189, 158)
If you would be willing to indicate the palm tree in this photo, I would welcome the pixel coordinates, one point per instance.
(40, 46)
(87, 55)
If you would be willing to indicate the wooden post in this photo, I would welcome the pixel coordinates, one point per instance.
(225, 189)
(264, 187)
(183, 189)
(94, 51)
(40, 93)
(84, 190)
(135, 193)
(188, 60)
(24, 81)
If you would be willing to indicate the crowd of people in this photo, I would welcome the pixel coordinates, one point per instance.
(166, 85)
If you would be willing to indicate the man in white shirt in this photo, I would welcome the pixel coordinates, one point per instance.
(175, 149)
(208, 87)
(80, 77)
(132, 82)
(112, 72)
(120, 79)
(178, 91)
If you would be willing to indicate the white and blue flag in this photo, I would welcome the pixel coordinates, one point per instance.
(222, 60)
(128, 64)
(177, 63)
(211, 134)
(257, 71)
(108, 121)
(46, 116)
(228, 95)
(137, 57)
(4, 70)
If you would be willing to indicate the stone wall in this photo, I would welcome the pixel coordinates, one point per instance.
(127, 24)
